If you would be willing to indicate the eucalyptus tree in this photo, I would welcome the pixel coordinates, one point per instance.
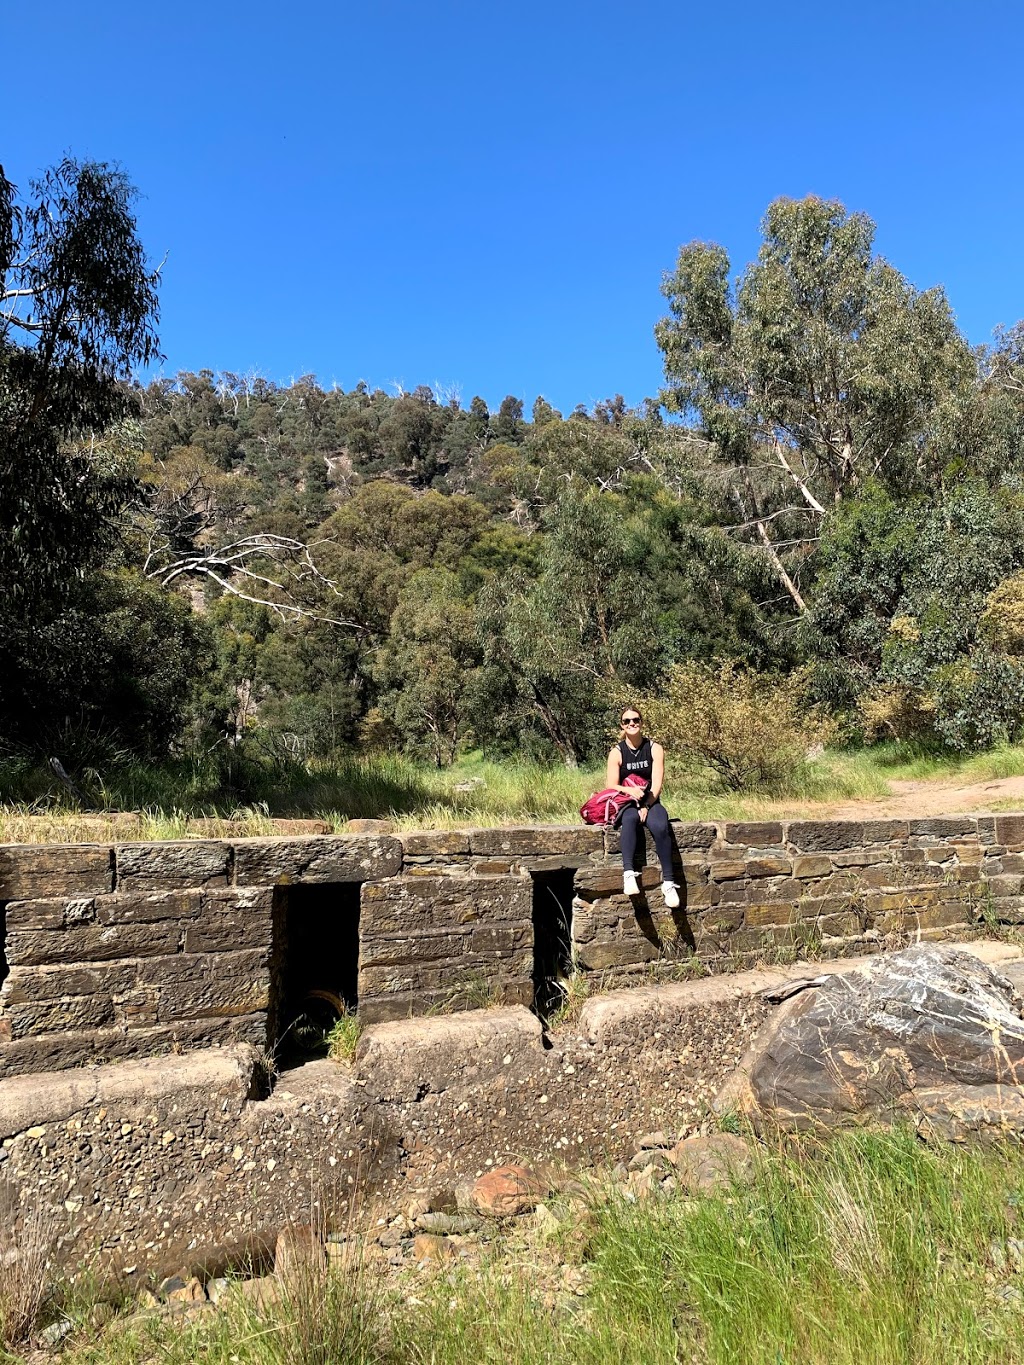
(78, 313)
(820, 367)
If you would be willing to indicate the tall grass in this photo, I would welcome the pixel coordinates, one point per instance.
(873, 1250)
(239, 794)
(870, 1249)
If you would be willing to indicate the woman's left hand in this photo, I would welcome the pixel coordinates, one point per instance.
(643, 815)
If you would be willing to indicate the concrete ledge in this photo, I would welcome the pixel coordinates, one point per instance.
(31, 1101)
(617, 1014)
(409, 1058)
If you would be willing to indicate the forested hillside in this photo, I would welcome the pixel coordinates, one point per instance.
(828, 488)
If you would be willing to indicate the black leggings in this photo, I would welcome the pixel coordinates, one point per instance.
(657, 823)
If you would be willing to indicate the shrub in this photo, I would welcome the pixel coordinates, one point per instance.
(752, 730)
(978, 701)
(895, 711)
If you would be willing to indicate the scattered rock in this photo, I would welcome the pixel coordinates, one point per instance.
(369, 827)
(651, 1157)
(299, 1254)
(170, 1286)
(508, 1191)
(449, 1224)
(264, 1291)
(190, 1291)
(217, 1288)
(711, 1163)
(55, 1333)
(929, 1032)
(427, 1246)
(654, 1140)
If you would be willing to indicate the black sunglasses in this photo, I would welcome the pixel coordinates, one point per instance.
(630, 720)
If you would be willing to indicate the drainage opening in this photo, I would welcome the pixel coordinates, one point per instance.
(316, 966)
(552, 938)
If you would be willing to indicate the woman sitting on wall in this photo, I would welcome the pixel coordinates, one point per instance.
(636, 754)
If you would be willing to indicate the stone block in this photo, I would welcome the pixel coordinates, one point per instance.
(811, 865)
(736, 892)
(692, 836)
(434, 843)
(886, 831)
(491, 867)
(43, 914)
(331, 858)
(726, 869)
(863, 857)
(593, 882)
(37, 871)
(777, 889)
(172, 866)
(405, 904)
(845, 924)
(754, 916)
(721, 921)
(597, 957)
(25, 985)
(755, 834)
(768, 867)
(1004, 886)
(536, 841)
(230, 920)
(408, 952)
(944, 916)
(498, 940)
(825, 836)
(57, 1016)
(92, 943)
(148, 909)
(232, 985)
(944, 826)
(73, 1048)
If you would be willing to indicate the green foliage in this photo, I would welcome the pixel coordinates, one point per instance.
(751, 730)
(343, 1038)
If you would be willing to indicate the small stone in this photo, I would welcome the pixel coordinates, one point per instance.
(299, 1254)
(170, 1286)
(189, 1292)
(449, 1224)
(508, 1191)
(652, 1140)
(217, 1288)
(427, 1246)
(713, 1162)
(56, 1332)
(37, 1132)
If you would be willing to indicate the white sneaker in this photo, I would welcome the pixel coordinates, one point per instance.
(668, 890)
(630, 885)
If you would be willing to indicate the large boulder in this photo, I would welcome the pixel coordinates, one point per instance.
(930, 1034)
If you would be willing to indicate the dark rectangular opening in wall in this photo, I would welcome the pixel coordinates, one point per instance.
(315, 966)
(552, 938)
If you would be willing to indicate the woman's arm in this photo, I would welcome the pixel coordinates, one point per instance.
(657, 770)
(611, 776)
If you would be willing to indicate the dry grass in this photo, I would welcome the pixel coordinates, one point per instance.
(26, 1249)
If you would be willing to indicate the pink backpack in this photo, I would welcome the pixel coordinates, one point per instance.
(605, 807)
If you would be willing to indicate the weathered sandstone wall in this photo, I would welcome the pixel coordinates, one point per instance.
(140, 949)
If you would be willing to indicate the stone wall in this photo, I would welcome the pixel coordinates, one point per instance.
(117, 952)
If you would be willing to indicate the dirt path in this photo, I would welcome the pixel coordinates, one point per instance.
(923, 798)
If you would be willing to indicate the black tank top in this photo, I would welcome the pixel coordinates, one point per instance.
(639, 761)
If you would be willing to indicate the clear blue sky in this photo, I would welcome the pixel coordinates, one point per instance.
(487, 194)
